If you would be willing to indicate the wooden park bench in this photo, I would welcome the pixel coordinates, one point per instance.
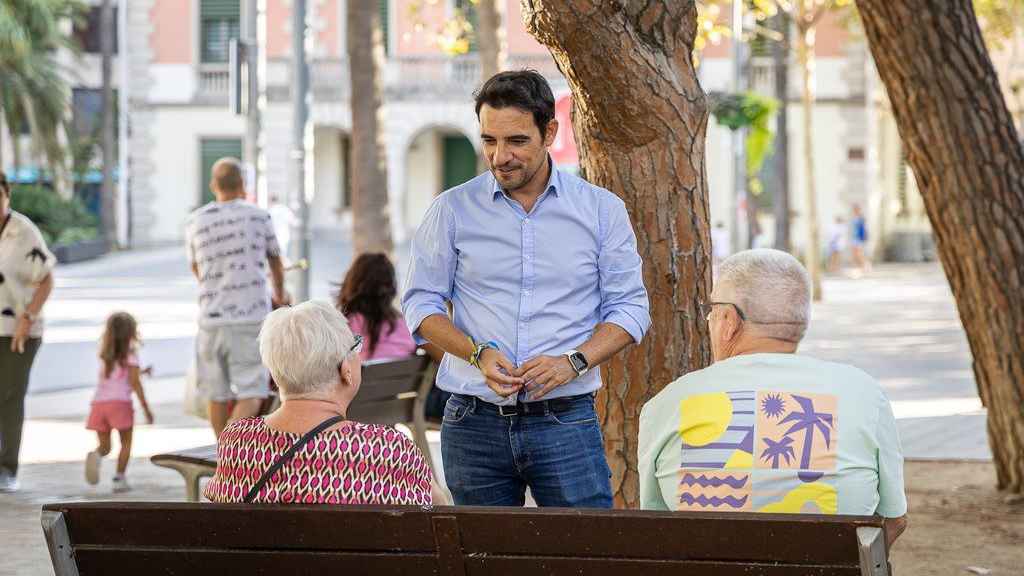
(115, 538)
(392, 392)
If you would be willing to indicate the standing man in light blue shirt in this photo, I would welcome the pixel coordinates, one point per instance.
(545, 284)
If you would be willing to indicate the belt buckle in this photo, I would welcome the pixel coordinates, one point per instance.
(508, 410)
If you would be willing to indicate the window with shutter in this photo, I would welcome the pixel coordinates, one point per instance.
(219, 24)
(211, 150)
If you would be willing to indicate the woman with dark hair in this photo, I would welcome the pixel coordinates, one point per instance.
(25, 284)
(366, 299)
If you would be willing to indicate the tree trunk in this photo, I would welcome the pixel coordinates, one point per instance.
(805, 55)
(371, 223)
(490, 35)
(963, 147)
(640, 118)
(108, 204)
(781, 156)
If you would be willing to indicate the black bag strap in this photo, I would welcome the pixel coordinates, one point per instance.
(255, 490)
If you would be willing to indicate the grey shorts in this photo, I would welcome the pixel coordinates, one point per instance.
(228, 363)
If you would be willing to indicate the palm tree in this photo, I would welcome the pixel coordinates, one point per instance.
(808, 420)
(776, 450)
(33, 89)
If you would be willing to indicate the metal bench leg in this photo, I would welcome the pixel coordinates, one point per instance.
(871, 542)
(192, 485)
(55, 528)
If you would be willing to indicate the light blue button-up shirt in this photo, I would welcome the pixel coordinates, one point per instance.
(535, 283)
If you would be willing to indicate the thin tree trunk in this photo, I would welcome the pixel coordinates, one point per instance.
(490, 35)
(640, 119)
(964, 149)
(371, 223)
(805, 56)
(108, 202)
(781, 156)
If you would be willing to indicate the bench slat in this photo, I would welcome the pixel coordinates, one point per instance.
(308, 528)
(189, 562)
(790, 540)
(518, 566)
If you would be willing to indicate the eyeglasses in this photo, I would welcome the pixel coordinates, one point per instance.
(707, 307)
(358, 346)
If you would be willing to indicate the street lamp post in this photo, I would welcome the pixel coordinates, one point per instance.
(299, 246)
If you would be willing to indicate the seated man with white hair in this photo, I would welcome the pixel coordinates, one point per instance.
(764, 429)
(307, 452)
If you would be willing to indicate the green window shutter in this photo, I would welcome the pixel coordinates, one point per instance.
(385, 25)
(211, 150)
(220, 9)
(219, 24)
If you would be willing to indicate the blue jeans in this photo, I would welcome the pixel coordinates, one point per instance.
(490, 459)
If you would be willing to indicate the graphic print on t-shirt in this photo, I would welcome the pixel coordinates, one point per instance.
(767, 451)
(229, 243)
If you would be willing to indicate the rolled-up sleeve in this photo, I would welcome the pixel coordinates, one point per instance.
(431, 273)
(624, 299)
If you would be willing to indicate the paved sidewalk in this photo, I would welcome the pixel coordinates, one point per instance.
(900, 324)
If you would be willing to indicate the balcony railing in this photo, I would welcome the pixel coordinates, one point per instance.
(404, 77)
(214, 83)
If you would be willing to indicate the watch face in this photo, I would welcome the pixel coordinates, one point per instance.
(578, 361)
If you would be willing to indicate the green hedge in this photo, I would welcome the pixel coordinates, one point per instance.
(61, 221)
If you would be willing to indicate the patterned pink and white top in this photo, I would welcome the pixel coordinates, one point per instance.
(354, 464)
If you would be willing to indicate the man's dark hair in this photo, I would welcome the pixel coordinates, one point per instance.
(526, 90)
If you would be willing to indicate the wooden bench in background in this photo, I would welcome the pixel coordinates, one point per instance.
(392, 392)
(115, 538)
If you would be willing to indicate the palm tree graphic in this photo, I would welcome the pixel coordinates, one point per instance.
(808, 420)
(775, 450)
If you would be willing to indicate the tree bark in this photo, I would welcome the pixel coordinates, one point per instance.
(640, 119)
(781, 156)
(964, 149)
(805, 56)
(371, 224)
(490, 35)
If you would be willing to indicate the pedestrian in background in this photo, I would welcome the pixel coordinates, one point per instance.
(112, 407)
(25, 284)
(859, 239)
(231, 244)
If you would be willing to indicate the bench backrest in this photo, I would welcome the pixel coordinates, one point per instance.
(206, 539)
(389, 390)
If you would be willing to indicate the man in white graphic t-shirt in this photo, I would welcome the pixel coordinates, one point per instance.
(231, 245)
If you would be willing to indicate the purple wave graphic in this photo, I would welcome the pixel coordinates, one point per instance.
(736, 482)
(713, 501)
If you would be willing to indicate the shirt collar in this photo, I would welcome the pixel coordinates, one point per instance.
(554, 182)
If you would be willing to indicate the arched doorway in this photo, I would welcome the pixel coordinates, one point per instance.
(438, 158)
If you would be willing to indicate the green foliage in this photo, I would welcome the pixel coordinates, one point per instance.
(1000, 20)
(754, 112)
(58, 219)
(33, 85)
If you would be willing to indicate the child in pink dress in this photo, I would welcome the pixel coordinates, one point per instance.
(112, 403)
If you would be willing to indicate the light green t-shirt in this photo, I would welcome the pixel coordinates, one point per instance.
(772, 433)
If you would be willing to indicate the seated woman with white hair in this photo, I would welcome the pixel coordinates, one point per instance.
(307, 452)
